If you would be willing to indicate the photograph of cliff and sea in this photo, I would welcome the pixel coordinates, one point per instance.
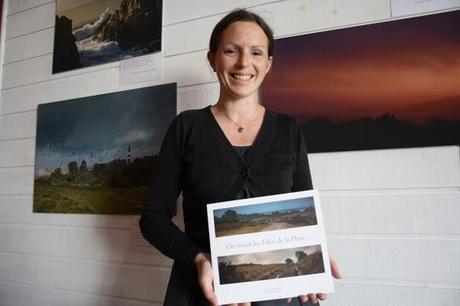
(96, 155)
(392, 84)
(93, 32)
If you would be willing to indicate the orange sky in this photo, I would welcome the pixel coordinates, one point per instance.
(368, 70)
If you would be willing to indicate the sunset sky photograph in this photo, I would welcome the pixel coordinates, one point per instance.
(409, 67)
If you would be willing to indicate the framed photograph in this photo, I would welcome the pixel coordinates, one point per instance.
(97, 154)
(268, 247)
(94, 32)
(377, 86)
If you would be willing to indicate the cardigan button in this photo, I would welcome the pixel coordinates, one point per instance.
(244, 172)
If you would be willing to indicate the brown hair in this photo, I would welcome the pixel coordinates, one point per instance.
(235, 16)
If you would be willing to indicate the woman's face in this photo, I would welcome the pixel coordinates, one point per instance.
(241, 60)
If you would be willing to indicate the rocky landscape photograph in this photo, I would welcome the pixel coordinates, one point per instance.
(96, 155)
(265, 217)
(92, 32)
(272, 264)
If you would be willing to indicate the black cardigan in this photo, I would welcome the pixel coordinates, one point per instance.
(197, 159)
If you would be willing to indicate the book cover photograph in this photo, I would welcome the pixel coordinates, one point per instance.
(268, 247)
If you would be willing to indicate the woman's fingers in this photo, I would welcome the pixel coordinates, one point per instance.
(205, 278)
(335, 270)
(303, 298)
(322, 296)
(208, 291)
(313, 299)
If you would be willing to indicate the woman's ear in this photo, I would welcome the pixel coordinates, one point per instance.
(269, 65)
(211, 60)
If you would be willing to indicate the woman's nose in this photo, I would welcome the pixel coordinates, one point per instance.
(243, 59)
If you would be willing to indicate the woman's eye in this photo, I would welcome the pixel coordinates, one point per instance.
(230, 51)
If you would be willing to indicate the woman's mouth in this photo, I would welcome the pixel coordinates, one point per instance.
(241, 76)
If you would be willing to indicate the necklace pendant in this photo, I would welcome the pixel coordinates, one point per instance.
(240, 129)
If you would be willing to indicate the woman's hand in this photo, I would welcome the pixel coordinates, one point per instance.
(205, 279)
(315, 298)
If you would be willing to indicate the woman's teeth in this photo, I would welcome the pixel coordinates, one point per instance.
(243, 77)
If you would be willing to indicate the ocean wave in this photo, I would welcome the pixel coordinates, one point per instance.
(89, 29)
(93, 52)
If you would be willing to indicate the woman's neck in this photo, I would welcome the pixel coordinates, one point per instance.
(239, 109)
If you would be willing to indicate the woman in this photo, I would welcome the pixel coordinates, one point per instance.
(233, 149)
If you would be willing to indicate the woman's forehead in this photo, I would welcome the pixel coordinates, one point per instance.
(244, 32)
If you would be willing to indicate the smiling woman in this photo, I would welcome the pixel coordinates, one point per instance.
(233, 149)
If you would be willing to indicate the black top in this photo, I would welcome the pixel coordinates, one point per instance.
(245, 192)
(197, 159)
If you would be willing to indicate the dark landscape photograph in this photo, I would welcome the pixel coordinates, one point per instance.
(93, 32)
(96, 155)
(265, 217)
(385, 85)
(270, 265)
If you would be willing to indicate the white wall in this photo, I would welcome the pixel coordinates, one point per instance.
(391, 215)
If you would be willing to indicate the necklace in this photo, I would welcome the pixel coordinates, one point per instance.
(240, 128)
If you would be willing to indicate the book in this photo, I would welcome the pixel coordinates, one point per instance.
(269, 247)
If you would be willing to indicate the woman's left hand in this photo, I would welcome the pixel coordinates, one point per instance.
(314, 298)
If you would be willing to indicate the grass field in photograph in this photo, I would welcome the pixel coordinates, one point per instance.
(72, 199)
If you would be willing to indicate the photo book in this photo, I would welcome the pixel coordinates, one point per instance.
(269, 247)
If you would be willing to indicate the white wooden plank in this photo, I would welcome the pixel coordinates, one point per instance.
(194, 35)
(175, 11)
(28, 97)
(97, 244)
(187, 69)
(135, 282)
(189, 36)
(21, 73)
(19, 125)
(415, 212)
(38, 18)
(16, 6)
(312, 16)
(30, 45)
(14, 294)
(347, 294)
(16, 181)
(303, 16)
(391, 168)
(199, 96)
(19, 210)
(398, 259)
(17, 152)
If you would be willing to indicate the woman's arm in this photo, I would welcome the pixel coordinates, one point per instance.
(301, 176)
(155, 223)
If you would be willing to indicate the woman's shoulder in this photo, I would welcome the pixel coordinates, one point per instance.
(191, 115)
(284, 119)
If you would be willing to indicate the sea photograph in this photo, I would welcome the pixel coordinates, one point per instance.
(282, 263)
(93, 32)
(265, 217)
(96, 155)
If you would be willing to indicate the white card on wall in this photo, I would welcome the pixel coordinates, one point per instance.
(410, 7)
(141, 69)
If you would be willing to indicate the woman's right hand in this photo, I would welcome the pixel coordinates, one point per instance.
(205, 279)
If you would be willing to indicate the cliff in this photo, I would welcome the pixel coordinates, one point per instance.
(137, 23)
